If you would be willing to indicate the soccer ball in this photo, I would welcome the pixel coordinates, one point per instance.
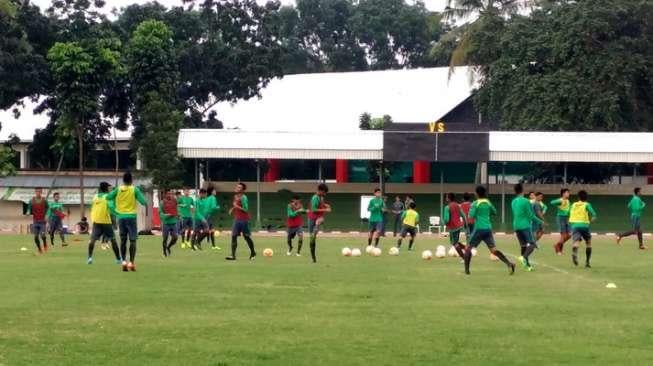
(369, 249)
(268, 252)
(376, 252)
(346, 252)
(393, 251)
(216, 234)
(427, 255)
(452, 252)
(355, 252)
(474, 252)
(441, 251)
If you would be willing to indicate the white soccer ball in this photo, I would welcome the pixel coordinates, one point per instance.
(452, 252)
(376, 252)
(427, 255)
(369, 249)
(474, 252)
(268, 252)
(393, 251)
(346, 252)
(355, 252)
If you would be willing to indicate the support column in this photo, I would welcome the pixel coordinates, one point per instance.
(274, 169)
(421, 171)
(342, 171)
(649, 173)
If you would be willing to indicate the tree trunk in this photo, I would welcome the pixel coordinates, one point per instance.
(56, 175)
(80, 140)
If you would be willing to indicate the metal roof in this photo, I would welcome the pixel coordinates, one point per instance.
(44, 181)
(236, 144)
(598, 147)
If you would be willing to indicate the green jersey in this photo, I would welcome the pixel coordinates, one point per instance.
(52, 207)
(376, 207)
(204, 208)
(563, 205)
(315, 202)
(636, 206)
(213, 205)
(522, 214)
(184, 204)
(481, 211)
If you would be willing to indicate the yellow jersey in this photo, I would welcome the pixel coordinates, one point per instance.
(410, 218)
(100, 212)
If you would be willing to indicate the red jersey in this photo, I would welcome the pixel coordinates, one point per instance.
(320, 206)
(294, 221)
(455, 220)
(38, 209)
(170, 207)
(465, 206)
(239, 214)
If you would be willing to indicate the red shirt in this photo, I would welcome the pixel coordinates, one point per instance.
(465, 206)
(455, 220)
(39, 209)
(239, 214)
(170, 207)
(315, 215)
(296, 221)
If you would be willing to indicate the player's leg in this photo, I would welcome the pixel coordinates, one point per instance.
(577, 237)
(378, 231)
(402, 235)
(300, 240)
(51, 230)
(314, 231)
(247, 235)
(370, 235)
(236, 230)
(174, 236)
(132, 231)
(43, 235)
(164, 239)
(474, 241)
(454, 240)
(123, 232)
(62, 234)
(413, 233)
(289, 237)
(96, 233)
(588, 248)
(37, 241)
(637, 227)
(110, 235)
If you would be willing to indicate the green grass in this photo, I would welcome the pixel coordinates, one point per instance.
(197, 309)
(613, 215)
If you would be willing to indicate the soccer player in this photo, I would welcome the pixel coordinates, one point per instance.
(465, 206)
(38, 207)
(185, 206)
(635, 206)
(214, 206)
(375, 208)
(397, 209)
(581, 215)
(481, 211)
(316, 216)
(539, 208)
(523, 220)
(127, 198)
(294, 224)
(169, 221)
(563, 206)
(114, 221)
(201, 211)
(102, 225)
(409, 221)
(240, 210)
(55, 217)
(454, 219)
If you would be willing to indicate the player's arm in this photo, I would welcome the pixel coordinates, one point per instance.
(472, 211)
(292, 213)
(461, 213)
(545, 208)
(445, 215)
(591, 211)
(244, 204)
(139, 196)
(417, 217)
(531, 215)
(112, 195)
(29, 207)
(493, 210)
(556, 202)
(403, 215)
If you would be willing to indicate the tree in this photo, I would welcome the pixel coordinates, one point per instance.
(365, 121)
(81, 71)
(574, 66)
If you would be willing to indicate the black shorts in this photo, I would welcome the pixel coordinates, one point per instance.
(525, 237)
(55, 224)
(128, 228)
(102, 230)
(482, 235)
(240, 227)
(201, 225)
(580, 234)
(186, 223)
(636, 222)
(294, 231)
(408, 230)
(314, 225)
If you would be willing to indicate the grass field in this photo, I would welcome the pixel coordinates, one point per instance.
(196, 309)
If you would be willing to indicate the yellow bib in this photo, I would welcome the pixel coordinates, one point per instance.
(579, 214)
(410, 219)
(100, 213)
(564, 205)
(126, 200)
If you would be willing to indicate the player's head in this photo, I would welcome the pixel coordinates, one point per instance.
(170, 194)
(55, 196)
(467, 197)
(564, 193)
(127, 178)
(412, 205)
(104, 187)
(539, 196)
(186, 191)
(481, 192)
(323, 189)
(209, 191)
(531, 195)
(397, 199)
(519, 189)
(202, 192)
(38, 191)
(241, 187)
(451, 197)
(377, 192)
(637, 191)
(582, 196)
(178, 194)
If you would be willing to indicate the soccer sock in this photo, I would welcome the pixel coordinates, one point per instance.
(627, 233)
(522, 250)
(410, 243)
(52, 238)
(173, 241)
(289, 240)
(123, 248)
(640, 238)
(502, 257)
(467, 258)
(376, 242)
(116, 251)
(574, 252)
(164, 245)
(234, 245)
(369, 241)
(37, 242)
(250, 244)
(459, 249)
(132, 250)
(91, 246)
(63, 238)
(44, 239)
(399, 243)
(529, 250)
(212, 239)
(313, 245)
(588, 254)
(299, 245)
